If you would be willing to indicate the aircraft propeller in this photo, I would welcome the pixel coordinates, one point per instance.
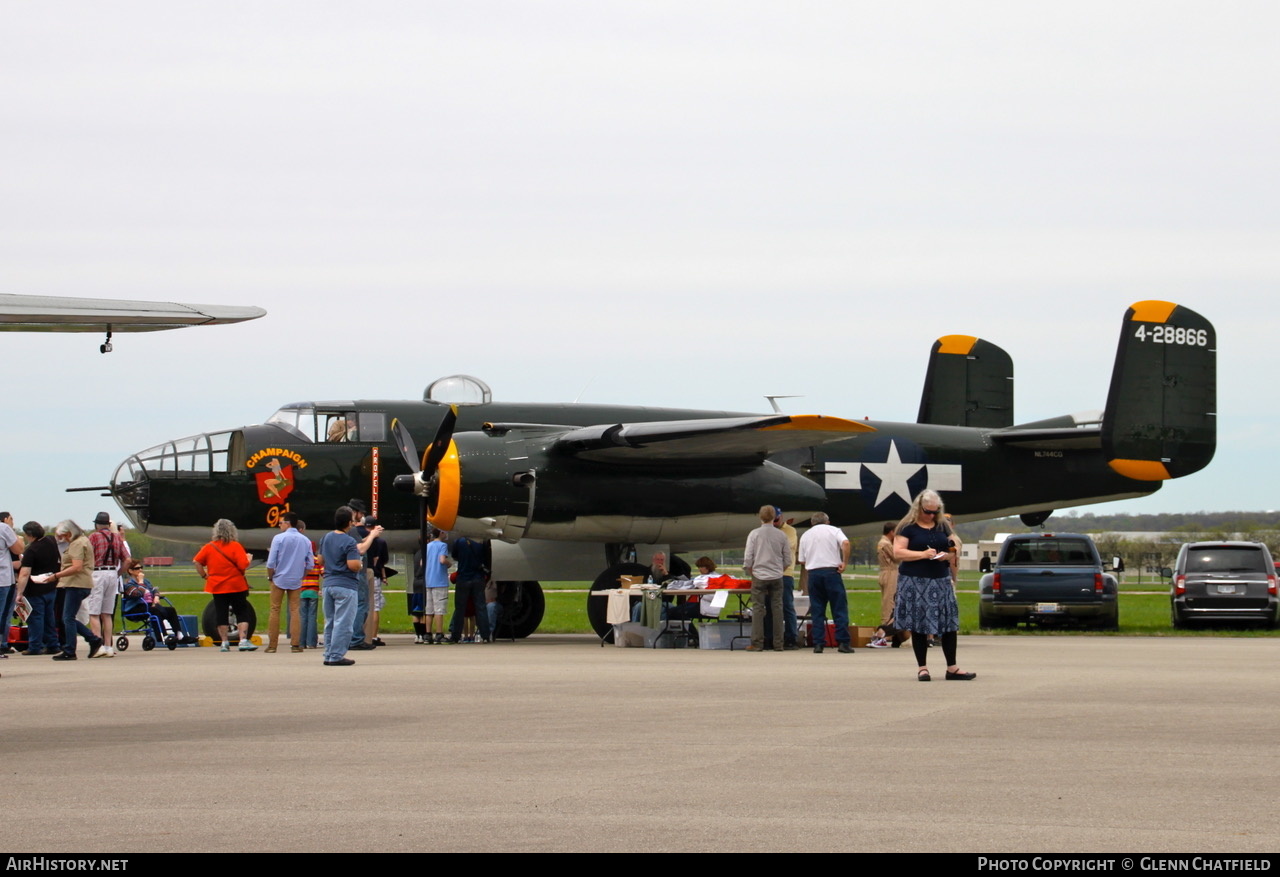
(440, 446)
(423, 480)
(404, 442)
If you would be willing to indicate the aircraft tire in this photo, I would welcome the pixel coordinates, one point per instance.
(597, 609)
(522, 606)
(209, 624)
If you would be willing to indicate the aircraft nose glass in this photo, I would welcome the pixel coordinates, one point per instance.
(131, 489)
(200, 457)
(194, 456)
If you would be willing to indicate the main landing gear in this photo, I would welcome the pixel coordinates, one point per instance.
(622, 561)
(598, 607)
(521, 606)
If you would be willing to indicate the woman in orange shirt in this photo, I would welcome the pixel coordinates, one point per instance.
(222, 564)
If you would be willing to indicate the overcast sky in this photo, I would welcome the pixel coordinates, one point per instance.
(657, 203)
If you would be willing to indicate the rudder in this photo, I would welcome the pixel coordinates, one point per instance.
(969, 383)
(1161, 415)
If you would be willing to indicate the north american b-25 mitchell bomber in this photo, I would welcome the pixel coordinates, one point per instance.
(579, 491)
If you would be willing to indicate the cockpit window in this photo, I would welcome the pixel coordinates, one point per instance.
(373, 426)
(458, 390)
(328, 422)
(341, 427)
(297, 420)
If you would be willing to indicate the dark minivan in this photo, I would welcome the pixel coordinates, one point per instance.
(1223, 582)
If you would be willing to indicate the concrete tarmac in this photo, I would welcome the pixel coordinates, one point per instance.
(1062, 744)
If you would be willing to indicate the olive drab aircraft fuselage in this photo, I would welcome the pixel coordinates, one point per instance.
(572, 491)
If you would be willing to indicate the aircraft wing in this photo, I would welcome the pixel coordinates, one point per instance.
(721, 440)
(45, 313)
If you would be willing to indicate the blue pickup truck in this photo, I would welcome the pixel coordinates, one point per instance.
(1048, 579)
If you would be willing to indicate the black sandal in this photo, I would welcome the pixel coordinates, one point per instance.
(961, 676)
(922, 675)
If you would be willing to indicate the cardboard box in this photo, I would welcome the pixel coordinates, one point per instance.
(629, 581)
(860, 636)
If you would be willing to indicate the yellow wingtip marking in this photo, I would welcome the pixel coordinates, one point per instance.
(1141, 470)
(961, 344)
(819, 423)
(1152, 311)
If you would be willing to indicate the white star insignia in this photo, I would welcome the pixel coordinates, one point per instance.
(893, 475)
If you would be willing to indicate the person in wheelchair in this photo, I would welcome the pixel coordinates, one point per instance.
(138, 587)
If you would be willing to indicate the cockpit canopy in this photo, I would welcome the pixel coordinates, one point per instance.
(331, 422)
(343, 421)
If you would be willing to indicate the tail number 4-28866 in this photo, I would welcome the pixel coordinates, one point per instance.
(1162, 334)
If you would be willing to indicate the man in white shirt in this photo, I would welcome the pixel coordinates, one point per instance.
(824, 553)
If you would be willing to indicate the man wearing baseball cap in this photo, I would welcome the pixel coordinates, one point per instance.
(109, 558)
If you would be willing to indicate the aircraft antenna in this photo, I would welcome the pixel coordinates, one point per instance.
(584, 388)
(773, 401)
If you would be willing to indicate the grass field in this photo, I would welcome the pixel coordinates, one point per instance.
(1141, 613)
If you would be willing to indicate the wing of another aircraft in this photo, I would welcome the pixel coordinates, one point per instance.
(723, 440)
(46, 313)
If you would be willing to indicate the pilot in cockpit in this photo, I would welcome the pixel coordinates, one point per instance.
(341, 430)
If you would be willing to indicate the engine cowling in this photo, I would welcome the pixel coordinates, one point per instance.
(514, 485)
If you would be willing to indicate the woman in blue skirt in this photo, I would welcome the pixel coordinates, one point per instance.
(926, 601)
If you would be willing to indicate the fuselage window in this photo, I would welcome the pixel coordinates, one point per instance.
(373, 426)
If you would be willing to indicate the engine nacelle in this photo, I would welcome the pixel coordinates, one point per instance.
(515, 485)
